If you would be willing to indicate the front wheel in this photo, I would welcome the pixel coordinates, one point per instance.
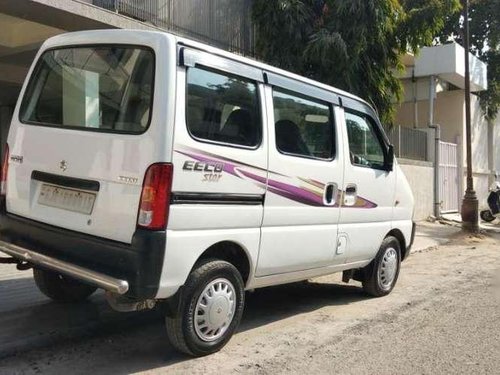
(381, 275)
(487, 216)
(61, 288)
(211, 306)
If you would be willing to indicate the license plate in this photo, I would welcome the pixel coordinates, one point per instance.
(66, 199)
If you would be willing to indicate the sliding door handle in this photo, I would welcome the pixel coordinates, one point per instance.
(330, 194)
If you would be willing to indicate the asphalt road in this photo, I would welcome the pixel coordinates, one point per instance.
(442, 318)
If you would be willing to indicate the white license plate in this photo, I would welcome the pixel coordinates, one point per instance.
(66, 199)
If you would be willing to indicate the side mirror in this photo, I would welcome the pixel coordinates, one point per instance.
(389, 163)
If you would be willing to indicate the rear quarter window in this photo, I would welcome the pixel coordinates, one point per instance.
(223, 108)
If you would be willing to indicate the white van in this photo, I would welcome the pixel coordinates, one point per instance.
(164, 170)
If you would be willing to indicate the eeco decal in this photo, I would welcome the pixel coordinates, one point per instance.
(211, 171)
(305, 191)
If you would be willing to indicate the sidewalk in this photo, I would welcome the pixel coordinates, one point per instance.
(456, 219)
(433, 234)
(430, 235)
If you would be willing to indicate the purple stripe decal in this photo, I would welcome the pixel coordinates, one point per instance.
(313, 182)
(304, 195)
(288, 191)
(222, 159)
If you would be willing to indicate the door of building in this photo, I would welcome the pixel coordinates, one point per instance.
(448, 177)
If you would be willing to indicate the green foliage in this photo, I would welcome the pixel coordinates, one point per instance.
(355, 45)
(423, 20)
(484, 30)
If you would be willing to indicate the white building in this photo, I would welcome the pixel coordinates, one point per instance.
(438, 73)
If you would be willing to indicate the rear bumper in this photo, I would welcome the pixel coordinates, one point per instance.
(83, 274)
(131, 269)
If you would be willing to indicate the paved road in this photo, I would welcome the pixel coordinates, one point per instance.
(442, 318)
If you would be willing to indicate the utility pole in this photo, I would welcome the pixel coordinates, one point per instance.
(470, 203)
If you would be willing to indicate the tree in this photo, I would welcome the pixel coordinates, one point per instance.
(484, 25)
(355, 45)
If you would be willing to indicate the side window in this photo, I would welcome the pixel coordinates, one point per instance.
(304, 126)
(223, 108)
(364, 145)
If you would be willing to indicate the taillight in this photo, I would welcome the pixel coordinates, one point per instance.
(155, 197)
(5, 171)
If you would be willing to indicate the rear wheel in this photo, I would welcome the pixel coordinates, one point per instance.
(61, 288)
(211, 307)
(487, 216)
(381, 275)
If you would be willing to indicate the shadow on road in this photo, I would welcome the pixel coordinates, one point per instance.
(268, 305)
(137, 341)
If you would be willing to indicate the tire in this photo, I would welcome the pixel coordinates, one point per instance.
(381, 275)
(487, 216)
(184, 331)
(61, 288)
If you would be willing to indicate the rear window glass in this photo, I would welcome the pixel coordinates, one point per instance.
(103, 88)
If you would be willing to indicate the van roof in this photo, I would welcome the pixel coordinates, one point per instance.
(79, 35)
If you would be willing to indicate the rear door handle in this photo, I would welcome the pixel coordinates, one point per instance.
(350, 195)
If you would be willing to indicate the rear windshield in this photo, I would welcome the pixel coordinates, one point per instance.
(104, 88)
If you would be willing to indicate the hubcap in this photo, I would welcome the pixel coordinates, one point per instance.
(388, 268)
(215, 310)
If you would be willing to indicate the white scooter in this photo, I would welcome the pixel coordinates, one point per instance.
(493, 203)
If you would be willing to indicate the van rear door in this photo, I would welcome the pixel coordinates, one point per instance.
(86, 131)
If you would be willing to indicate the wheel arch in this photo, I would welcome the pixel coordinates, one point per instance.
(402, 242)
(231, 252)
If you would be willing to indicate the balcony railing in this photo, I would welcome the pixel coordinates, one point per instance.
(223, 23)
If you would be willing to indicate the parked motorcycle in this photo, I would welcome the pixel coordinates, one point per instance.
(493, 203)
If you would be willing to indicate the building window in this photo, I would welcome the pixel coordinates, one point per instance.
(364, 145)
(304, 126)
(223, 108)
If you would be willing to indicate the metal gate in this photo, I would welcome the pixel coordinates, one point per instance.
(448, 177)
(408, 143)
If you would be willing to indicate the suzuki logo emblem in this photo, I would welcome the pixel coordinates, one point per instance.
(63, 165)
